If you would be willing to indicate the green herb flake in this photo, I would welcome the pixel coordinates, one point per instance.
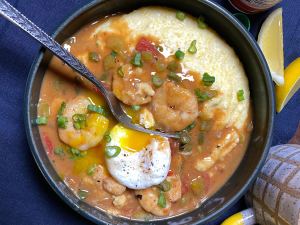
(162, 200)
(112, 151)
(107, 138)
(240, 95)
(208, 80)
(192, 49)
(79, 121)
(201, 96)
(179, 54)
(173, 76)
(41, 120)
(120, 71)
(82, 194)
(135, 107)
(137, 60)
(165, 186)
(94, 57)
(91, 169)
(97, 109)
(59, 151)
(61, 109)
(201, 22)
(62, 121)
(114, 54)
(173, 66)
(76, 153)
(156, 80)
(180, 15)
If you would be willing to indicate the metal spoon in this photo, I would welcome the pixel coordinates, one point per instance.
(17, 18)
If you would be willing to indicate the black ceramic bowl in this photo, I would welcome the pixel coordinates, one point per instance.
(262, 96)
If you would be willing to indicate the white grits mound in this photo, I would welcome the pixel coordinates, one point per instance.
(214, 56)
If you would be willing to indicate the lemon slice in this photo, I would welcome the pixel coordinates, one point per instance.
(270, 40)
(291, 84)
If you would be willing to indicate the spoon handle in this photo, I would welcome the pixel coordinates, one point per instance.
(17, 18)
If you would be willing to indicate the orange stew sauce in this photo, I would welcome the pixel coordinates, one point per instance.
(61, 84)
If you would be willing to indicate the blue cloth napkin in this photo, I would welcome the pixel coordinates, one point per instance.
(25, 196)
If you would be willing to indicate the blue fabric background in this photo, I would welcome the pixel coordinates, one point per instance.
(25, 197)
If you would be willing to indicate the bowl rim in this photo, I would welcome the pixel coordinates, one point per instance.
(270, 124)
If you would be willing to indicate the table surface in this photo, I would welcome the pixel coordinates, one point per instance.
(26, 198)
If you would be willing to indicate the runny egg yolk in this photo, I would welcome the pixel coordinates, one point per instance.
(131, 140)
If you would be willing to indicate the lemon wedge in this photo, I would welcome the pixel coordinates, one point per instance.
(270, 40)
(291, 84)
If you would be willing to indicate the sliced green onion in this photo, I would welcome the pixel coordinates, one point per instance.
(180, 15)
(61, 108)
(157, 81)
(173, 76)
(62, 121)
(201, 137)
(59, 151)
(201, 96)
(160, 66)
(190, 127)
(165, 186)
(240, 95)
(114, 54)
(173, 66)
(98, 109)
(43, 109)
(207, 79)
(76, 153)
(91, 170)
(179, 54)
(201, 22)
(104, 76)
(192, 49)
(112, 151)
(185, 137)
(109, 62)
(120, 71)
(135, 107)
(94, 57)
(41, 120)
(82, 194)
(198, 186)
(162, 200)
(204, 125)
(107, 138)
(79, 121)
(137, 60)
(147, 56)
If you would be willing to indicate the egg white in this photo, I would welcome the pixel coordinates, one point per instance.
(141, 169)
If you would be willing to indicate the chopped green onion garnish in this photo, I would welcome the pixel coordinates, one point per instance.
(41, 120)
(201, 136)
(190, 127)
(201, 23)
(179, 54)
(79, 121)
(62, 121)
(204, 125)
(173, 76)
(82, 194)
(107, 138)
(114, 54)
(207, 79)
(137, 60)
(240, 95)
(162, 200)
(160, 66)
(192, 49)
(157, 81)
(147, 56)
(61, 108)
(104, 76)
(120, 71)
(112, 151)
(77, 153)
(165, 186)
(94, 57)
(135, 107)
(59, 151)
(185, 137)
(109, 62)
(201, 96)
(91, 170)
(180, 15)
(98, 109)
(173, 66)
(198, 186)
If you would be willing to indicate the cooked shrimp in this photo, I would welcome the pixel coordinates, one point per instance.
(174, 193)
(91, 134)
(113, 187)
(148, 199)
(174, 107)
(130, 89)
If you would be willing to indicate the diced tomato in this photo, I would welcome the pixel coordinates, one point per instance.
(145, 45)
(184, 187)
(48, 143)
(206, 179)
(170, 173)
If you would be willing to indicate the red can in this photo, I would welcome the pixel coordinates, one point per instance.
(253, 6)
